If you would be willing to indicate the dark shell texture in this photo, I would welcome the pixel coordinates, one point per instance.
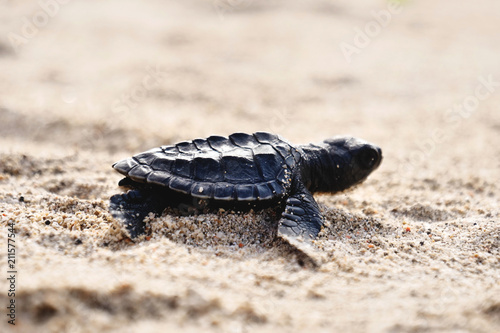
(243, 167)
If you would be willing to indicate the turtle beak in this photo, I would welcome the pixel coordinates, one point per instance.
(379, 150)
(379, 157)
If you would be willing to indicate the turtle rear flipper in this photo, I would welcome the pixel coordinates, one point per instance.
(301, 221)
(132, 207)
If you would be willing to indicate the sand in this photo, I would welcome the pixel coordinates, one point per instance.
(413, 249)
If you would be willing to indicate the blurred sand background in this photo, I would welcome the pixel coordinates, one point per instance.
(414, 249)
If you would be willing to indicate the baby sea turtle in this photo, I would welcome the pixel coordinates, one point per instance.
(261, 169)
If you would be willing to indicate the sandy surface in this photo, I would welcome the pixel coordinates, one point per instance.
(414, 249)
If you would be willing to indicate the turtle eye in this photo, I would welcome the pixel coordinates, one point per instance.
(368, 158)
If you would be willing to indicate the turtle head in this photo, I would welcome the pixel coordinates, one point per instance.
(351, 161)
(340, 163)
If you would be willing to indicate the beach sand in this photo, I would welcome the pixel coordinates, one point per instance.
(413, 249)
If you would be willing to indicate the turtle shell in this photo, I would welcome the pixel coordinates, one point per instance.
(243, 167)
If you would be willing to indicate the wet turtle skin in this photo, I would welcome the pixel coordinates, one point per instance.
(256, 170)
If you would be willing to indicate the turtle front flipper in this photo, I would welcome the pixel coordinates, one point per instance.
(301, 218)
(301, 221)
